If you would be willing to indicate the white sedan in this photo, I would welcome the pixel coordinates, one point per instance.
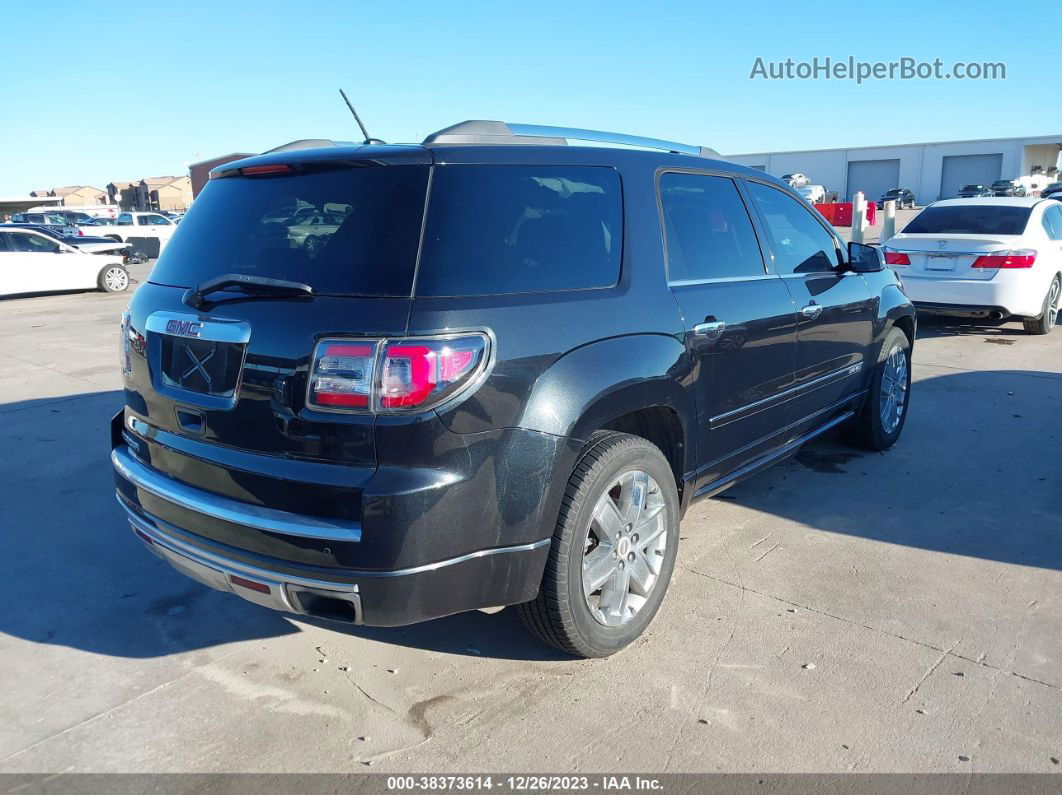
(994, 257)
(31, 262)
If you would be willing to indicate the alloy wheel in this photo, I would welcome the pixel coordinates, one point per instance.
(116, 279)
(623, 549)
(893, 389)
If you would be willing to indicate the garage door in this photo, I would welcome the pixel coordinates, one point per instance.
(959, 170)
(873, 177)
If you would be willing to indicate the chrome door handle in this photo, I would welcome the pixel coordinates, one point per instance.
(812, 311)
(711, 329)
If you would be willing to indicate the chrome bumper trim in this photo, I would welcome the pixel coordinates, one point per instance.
(229, 510)
(156, 529)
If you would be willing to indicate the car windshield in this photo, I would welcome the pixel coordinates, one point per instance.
(893, 192)
(1001, 183)
(972, 219)
(973, 187)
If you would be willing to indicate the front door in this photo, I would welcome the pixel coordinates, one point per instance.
(739, 319)
(835, 311)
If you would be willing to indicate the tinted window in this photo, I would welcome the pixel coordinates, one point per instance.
(709, 233)
(262, 226)
(125, 219)
(33, 244)
(969, 219)
(521, 229)
(1053, 222)
(800, 243)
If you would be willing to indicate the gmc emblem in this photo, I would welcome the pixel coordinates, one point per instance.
(184, 328)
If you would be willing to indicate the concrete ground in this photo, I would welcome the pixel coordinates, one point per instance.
(842, 612)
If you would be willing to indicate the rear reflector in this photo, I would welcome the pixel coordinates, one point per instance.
(896, 258)
(261, 587)
(143, 536)
(1019, 258)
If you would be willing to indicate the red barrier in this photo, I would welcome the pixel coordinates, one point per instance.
(872, 213)
(837, 213)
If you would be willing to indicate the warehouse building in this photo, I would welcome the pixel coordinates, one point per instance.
(933, 171)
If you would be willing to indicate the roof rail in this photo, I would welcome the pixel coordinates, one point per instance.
(499, 132)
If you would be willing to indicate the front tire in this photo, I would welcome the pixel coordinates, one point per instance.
(613, 549)
(1046, 320)
(113, 279)
(881, 418)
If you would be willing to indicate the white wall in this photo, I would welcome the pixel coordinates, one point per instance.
(920, 164)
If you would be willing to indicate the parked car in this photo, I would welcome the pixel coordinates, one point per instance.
(90, 245)
(975, 191)
(490, 385)
(32, 261)
(50, 219)
(795, 180)
(1052, 191)
(994, 258)
(138, 227)
(1007, 187)
(903, 197)
(813, 194)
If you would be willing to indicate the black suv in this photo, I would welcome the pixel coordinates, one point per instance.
(902, 196)
(501, 378)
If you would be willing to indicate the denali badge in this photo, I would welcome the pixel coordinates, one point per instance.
(185, 328)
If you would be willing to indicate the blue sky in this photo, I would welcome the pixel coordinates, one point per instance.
(117, 90)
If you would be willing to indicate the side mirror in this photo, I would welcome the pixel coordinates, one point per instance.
(865, 259)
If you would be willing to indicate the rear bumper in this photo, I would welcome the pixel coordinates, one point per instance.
(418, 552)
(975, 298)
(483, 578)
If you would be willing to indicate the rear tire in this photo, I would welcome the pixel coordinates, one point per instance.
(1046, 320)
(880, 420)
(113, 279)
(618, 477)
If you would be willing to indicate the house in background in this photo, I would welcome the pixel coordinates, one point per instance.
(74, 195)
(154, 193)
(200, 172)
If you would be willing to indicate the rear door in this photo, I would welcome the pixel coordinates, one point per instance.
(835, 311)
(739, 319)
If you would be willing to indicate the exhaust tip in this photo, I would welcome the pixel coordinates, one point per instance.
(995, 315)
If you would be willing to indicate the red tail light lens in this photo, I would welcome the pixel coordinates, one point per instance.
(342, 374)
(896, 258)
(80, 232)
(1018, 258)
(394, 375)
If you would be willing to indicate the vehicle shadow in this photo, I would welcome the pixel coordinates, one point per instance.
(931, 326)
(72, 574)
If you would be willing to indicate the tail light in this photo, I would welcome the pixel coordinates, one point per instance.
(896, 258)
(391, 376)
(80, 233)
(1018, 258)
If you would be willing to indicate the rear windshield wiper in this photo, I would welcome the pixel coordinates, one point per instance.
(250, 286)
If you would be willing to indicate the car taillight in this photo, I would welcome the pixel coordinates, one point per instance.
(80, 233)
(390, 376)
(896, 258)
(1018, 258)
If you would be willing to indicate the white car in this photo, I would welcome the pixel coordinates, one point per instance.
(134, 226)
(994, 257)
(796, 180)
(31, 262)
(814, 194)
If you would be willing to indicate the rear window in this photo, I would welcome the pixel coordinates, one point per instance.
(490, 230)
(521, 229)
(972, 219)
(351, 231)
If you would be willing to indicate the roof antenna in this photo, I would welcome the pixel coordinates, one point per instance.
(357, 118)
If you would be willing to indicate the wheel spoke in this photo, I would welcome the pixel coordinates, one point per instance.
(614, 594)
(633, 492)
(598, 566)
(642, 574)
(607, 521)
